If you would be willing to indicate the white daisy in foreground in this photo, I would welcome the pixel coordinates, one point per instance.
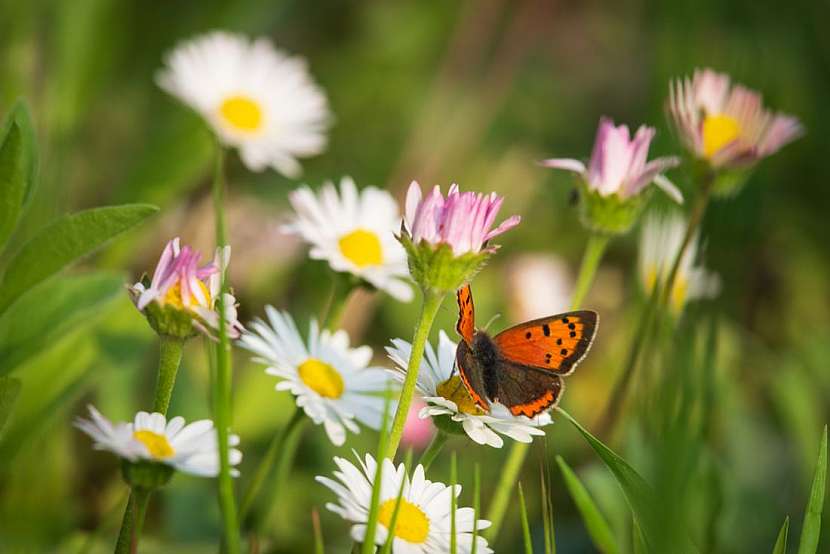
(660, 241)
(256, 98)
(332, 382)
(355, 232)
(423, 525)
(187, 448)
(445, 395)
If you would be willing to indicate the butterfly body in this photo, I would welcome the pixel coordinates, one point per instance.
(521, 367)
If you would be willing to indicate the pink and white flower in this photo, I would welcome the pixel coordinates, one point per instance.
(725, 124)
(619, 165)
(464, 221)
(180, 283)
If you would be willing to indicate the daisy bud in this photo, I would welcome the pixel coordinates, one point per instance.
(181, 297)
(614, 187)
(726, 127)
(446, 239)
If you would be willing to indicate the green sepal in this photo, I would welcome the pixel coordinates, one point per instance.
(437, 269)
(610, 215)
(168, 320)
(446, 424)
(146, 475)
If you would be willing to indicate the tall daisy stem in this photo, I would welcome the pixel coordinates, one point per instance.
(429, 309)
(222, 383)
(434, 448)
(591, 258)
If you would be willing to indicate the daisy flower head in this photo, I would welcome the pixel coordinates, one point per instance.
(423, 524)
(256, 98)
(660, 242)
(333, 382)
(617, 175)
(447, 238)
(726, 125)
(151, 438)
(446, 398)
(182, 296)
(354, 231)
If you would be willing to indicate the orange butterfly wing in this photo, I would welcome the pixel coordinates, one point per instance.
(556, 344)
(466, 325)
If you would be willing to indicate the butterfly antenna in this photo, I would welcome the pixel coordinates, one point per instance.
(491, 320)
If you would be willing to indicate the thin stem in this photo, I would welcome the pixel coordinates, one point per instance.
(122, 545)
(222, 392)
(267, 463)
(142, 497)
(284, 464)
(429, 309)
(435, 446)
(504, 489)
(170, 356)
(588, 269)
(342, 288)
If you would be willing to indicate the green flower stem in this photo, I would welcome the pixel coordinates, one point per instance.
(142, 498)
(222, 383)
(591, 258)
(170, 356)
(429, 309)
(434, 448)
(284, 464)
(342, 287)
(133, 521)
(267, 463)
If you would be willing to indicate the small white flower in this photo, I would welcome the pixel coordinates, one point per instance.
(660, 241)
(355, 232)
(538, 285)
(423, 525)
(445, 395)
(332, 382)
(256, 98)
(188, 448)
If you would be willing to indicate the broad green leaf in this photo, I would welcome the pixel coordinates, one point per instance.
(811, 529)
(638, 493)
(595, 523)
(9, 389)
(528, 542)
(64, 241)
(18, 163)
(49, 310)
(781, 542)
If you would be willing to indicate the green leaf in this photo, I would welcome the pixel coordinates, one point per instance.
(811, 529)
(781, 542)
(598, 528)
(18, 166)
(63, 241)
(9, 389)
(525, 525)
(638, 493)
(49, 310)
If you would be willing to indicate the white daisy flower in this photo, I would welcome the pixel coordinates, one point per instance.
(660, 241)
(256, 98)
(423, 525)
(333, 383)
(445, 395)
(355, 232)
(188, 448)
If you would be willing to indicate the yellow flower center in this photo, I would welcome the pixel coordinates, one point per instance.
(719, 131)
(453, 389)
(321, 378)
(678, 293)
(174, 295)
(362, 248)
(242, 113)
(411, 525)
(157, 445)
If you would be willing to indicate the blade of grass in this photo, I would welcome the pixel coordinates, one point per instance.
(368, 546)
(781, 542)
(811, 528)
(598, 528)
(390, 536)
(476, 505)
(453, 504)
(547, 503)
(319, 547)
(525, 525)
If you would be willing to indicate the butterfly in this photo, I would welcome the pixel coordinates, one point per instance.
(521, 367)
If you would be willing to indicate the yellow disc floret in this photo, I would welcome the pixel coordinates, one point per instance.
(411, 525)
(362, 248)
(321, 378)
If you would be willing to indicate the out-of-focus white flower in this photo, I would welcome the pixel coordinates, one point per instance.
(423, 524)
(354, 231)
(333, 382)
(257, 98)
(538, 285)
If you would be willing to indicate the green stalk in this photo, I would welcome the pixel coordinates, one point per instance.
(125, 535)
(222, 392)
(170, 357)
(429, 309)
(267, 463)
(453, 504)
(434, 448)
(591, 258)
(142, 499)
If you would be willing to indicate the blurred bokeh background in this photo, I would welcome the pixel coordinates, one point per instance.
(473, 92)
